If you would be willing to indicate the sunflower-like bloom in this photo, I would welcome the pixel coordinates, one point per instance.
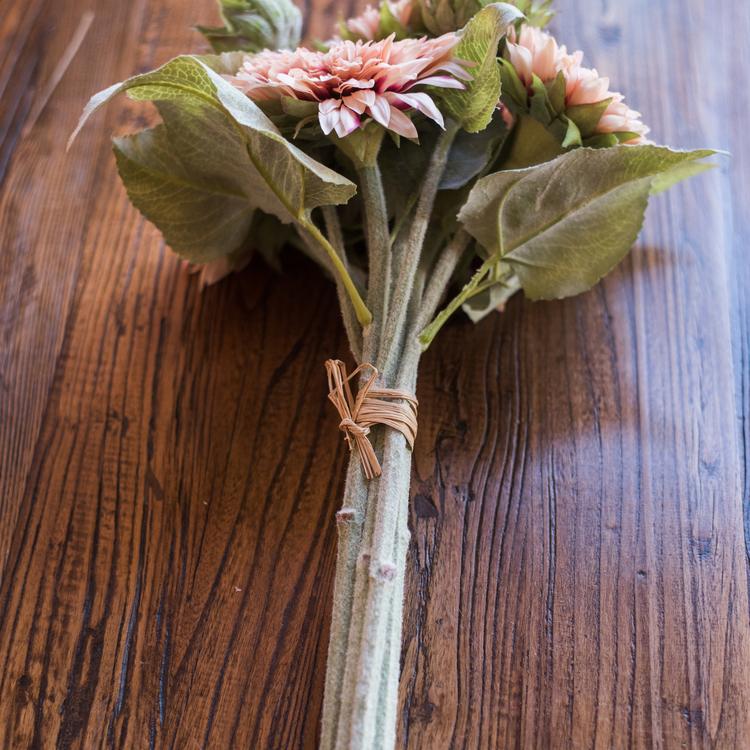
(366, 25)
(535, 52)
(354, 81)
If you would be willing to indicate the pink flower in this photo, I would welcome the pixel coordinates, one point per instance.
(354, 80)
(367, 24)
(535, 52)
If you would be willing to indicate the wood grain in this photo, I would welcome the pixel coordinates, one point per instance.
(169, 466)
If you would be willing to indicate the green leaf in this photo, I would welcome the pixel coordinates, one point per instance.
(587, 116)
(680, 172)
(214, 142)
(403, 166)
(564, 224)
(363, 145)
(514, 92)
(540, 106)
(556, 93)
(471, 152)
(572, 135)
(200, 219)
(473, 106)
(491, 299)
(530, 143)
(225, 63)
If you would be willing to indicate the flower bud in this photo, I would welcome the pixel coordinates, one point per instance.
(253, 25)
(440, 16)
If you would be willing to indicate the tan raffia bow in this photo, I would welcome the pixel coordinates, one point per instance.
(388, 406)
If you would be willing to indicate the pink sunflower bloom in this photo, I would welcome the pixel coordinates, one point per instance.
(367, 24)
(535, 52)
(356, 80)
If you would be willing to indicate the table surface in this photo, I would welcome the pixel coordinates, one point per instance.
(170, 468)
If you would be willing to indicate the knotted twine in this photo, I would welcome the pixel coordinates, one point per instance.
(388, 406)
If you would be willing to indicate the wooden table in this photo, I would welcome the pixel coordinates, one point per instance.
(170, 468)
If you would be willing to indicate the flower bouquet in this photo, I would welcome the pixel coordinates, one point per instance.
(434, 156)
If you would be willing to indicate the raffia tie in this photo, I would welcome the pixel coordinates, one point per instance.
(388, 406)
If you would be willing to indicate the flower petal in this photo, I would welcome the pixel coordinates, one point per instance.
(380, 110)
(348, 122)
(422, 103)
(359, 101)
(401, 124)
(443, 82)
(328, 114)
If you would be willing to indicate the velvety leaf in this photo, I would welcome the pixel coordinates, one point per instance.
(214, 141)
(225, 63)
(363, 145)
(571, 135)
(403, 167)
(601, 140)
(540, 106)
(202, 220)
(473, 106)
(472, 152)
(530, 143)
(587, 116)
(514, 93)
(564, 224)
(490, 300)
(556, 93)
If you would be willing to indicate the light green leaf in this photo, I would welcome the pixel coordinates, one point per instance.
(587, 116)
(491, 299)
(530, 143)
(564, 224)
(556, 93)
(572, 136)
(514, 93)
(473, 106)
(214, 142)
(200, 219)
(602, 140)
(540, 106)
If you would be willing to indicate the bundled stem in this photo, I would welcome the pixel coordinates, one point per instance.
(408, 255)
(378, 247)
(361, 698)
(364, 652)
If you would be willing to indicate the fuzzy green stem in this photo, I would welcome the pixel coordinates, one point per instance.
(360, 704)
(364, 316)
(429, 333)
(333, 230)
(361, 698)
(378, 574)
(409, 255)
(351, 324)
(349, 523)
(439, 278)
(378, 248)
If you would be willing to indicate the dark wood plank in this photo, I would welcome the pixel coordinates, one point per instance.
(169, 467)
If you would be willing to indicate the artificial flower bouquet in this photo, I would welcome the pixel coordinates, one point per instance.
(434, 156)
